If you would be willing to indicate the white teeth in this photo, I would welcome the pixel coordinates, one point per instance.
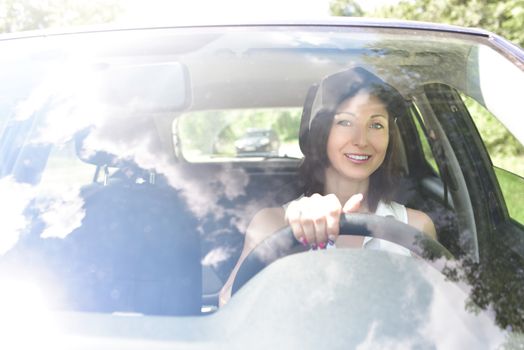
(353, 156)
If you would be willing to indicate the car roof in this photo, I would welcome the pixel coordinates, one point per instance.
(362, 22)
(326, 21)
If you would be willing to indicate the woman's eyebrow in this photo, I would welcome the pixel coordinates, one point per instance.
(348, 113)
(379, 116)
(354, 115)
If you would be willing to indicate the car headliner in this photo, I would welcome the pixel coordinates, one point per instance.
(396, 57)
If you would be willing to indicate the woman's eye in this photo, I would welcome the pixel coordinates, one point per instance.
(377, 126)
(344, 122)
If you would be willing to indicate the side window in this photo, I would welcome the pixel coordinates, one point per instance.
(507, 156)
(426, 148)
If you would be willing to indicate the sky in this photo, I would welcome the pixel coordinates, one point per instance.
(141, 11)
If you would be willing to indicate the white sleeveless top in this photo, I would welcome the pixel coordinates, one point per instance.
(396, 211)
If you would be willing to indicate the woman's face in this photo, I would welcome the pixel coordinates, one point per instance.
(359, 137)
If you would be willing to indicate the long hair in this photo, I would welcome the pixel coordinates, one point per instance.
(385, 179)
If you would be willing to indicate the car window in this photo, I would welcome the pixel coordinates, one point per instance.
(222, 135)
(506, 153)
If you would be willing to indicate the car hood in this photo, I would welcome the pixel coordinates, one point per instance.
(337, 299)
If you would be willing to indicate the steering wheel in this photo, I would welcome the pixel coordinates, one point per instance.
(283, 243)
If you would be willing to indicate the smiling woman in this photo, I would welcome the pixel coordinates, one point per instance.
(359, 134)
(349, 166)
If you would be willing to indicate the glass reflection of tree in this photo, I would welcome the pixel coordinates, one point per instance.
(497, 282)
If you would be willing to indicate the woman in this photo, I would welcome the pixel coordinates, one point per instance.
(350, 165)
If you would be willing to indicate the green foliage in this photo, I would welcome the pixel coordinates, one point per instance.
(503, 17)
(348, 8)
(287, 125)
(511, 187)
(18, 15)
(498, 140)
(506, 153)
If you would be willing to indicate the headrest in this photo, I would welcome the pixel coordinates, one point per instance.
(306, 116)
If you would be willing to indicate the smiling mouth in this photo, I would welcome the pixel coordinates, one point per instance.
(357, 158)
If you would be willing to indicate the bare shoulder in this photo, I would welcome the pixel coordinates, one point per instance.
(422, 222)
(265, 222)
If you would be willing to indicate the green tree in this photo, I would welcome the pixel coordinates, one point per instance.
(503, 17)
(348, 8)
(18, 15)
(287, 125)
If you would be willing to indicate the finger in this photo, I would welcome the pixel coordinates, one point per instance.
(334, 209)
(300, 219)
(321, 236)
(311, 219)
(293, 219)
(353, 203)
(315, 210)
(309, 232)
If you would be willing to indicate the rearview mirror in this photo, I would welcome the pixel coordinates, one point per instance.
(157, 87)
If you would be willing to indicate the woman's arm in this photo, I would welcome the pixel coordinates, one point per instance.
(265, 222)
(422, 222)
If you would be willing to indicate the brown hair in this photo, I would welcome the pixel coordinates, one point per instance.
(384, 180)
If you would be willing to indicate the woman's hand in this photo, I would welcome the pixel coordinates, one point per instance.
(315, 220)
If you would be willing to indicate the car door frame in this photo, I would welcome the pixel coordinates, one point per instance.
(491, 216)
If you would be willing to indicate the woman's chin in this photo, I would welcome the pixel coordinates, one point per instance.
(357, 176)
(356, 173)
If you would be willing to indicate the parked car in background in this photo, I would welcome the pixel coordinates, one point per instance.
(122, 217)
(258, 142)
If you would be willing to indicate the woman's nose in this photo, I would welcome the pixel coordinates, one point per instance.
(359, 137)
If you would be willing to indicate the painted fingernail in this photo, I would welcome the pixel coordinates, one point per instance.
(322, 245)
(303, 240)
(331, 240)
(314, 246)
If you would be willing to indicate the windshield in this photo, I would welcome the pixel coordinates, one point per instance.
(134, 164)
